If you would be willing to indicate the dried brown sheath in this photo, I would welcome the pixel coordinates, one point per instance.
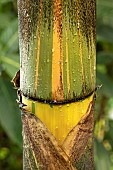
(78, 138)
(41, 149)
(16, 79)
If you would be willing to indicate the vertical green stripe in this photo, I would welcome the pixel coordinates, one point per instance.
(45, 63)
(33, 107)
(86, 63)
(65, 62)
(74, 64)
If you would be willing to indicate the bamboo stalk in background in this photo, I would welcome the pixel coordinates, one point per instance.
(57, 82)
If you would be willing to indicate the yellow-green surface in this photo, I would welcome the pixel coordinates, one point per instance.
(59, 119)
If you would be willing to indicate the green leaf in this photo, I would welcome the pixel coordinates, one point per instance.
(9, 38)
(104, 9)
(10, 64)
(10, 117)
(104, 32)
(104, 20)
(107, 84)
(4, 20)
(109, 134)
(104, 57)
(101, 157)
(5, 1)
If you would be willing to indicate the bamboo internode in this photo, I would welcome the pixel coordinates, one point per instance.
(57, 82)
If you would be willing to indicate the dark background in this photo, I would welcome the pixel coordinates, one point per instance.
(10, 118)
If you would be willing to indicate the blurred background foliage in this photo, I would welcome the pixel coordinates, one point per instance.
(10, 119)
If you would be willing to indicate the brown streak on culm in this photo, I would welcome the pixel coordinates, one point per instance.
(59, 93)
